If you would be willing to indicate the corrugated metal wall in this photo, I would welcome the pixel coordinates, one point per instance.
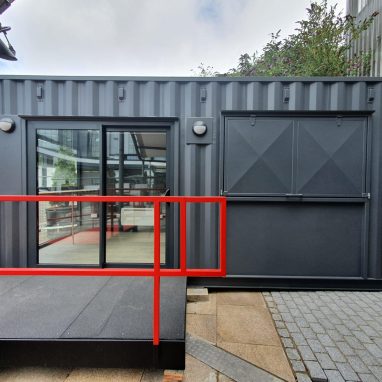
(199, 165)
(163, 98)
(370, 40)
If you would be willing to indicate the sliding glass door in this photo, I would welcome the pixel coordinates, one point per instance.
(137, 166)
(68, 163)
(131, 161)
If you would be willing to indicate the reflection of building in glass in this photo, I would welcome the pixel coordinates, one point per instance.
(370, 40)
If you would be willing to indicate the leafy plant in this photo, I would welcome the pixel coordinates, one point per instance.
(64, 169)
(320, 47)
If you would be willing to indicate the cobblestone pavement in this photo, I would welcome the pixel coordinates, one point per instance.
(330, 336)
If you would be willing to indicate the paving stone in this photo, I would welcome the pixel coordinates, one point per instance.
(374, 350)
(334, 319)
(303, 377)
(276, 317)
(335, 354)
(327, 324)
(306, 353)
(367, 378)
(297, 365)
(310, 318)
(295, 313)
(357, 364)
(335, 335)
(369, 330)
(325, 340)
(301, 322)
(282, 308)
(298, 339)
(325, 361)
(315, 371)
(292, 327)
(287, 317)
(287, 342)
(367, 358)
(292, 354)
(280, 324)
(318, 314)
(283, 333)
(317, 328)
(308, 333)
(334, 376)
(343, 330)
(353, 342)
(362, 337)
(347, 372)
(345, 348)
(316, 346)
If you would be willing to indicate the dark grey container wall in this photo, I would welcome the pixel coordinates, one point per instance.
(199, 165)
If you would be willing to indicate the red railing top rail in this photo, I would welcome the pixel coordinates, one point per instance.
(111, 198)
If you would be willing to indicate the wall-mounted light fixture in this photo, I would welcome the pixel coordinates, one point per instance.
(7, 125)
(199, 128)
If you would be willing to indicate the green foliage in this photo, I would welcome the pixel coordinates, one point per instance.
(204, 71)
(64, 169)
(320, 47)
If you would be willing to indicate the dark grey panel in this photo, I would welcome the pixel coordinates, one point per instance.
(89, 307)
(295, 239)
(123, 309)
(258, 156)
(331, 155)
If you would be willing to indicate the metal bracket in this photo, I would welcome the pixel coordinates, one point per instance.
(252, 120)
(121, 93)
(366, 195)
(339, 120)
(39, 92)
(286, 94)
(203, 94)
(370, 95)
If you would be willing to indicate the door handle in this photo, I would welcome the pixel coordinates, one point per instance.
(167, 193)
(294, 195)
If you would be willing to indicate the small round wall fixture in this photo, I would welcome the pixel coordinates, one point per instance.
(199, 128)
(7, 125)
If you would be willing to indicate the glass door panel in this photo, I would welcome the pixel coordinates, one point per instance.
(136, 165)
(68, 164)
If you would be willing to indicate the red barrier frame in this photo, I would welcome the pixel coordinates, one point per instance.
(156, 272)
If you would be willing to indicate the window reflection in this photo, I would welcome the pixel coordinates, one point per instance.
(68, 164)
(136, 165)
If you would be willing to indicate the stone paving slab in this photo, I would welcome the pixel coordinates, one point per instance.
(330, 335)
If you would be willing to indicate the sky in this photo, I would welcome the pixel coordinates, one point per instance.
(142, 37)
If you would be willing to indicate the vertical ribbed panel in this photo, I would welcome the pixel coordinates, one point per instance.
(175, 98)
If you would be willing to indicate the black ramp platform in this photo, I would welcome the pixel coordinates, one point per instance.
(90, 322)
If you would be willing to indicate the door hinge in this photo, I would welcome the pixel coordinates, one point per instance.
(339, 120)
(366, 195)
(252, 120)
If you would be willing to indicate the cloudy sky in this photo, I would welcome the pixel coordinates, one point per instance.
(142, 37)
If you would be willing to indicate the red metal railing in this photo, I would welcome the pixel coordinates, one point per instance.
(156, 272)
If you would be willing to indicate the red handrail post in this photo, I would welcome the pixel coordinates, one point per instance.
(156, 307)
(183, 236)
(223, 236)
